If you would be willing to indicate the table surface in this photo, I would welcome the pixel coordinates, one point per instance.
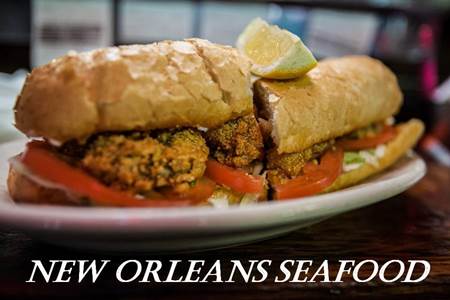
(413, 225)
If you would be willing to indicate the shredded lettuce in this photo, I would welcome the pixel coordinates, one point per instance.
(353, 158)
(249, 199)
(369, 157)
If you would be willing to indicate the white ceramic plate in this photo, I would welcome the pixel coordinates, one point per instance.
(189, 229)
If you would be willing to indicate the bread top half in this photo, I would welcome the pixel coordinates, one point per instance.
(337, 97)
(190, 83)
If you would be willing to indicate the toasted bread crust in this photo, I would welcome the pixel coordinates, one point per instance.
(408, 135)
(24, 190)
(337, 97)
(139, 87)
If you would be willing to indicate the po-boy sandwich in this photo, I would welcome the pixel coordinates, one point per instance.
(333, 127)
(165, 124)
(173, 124)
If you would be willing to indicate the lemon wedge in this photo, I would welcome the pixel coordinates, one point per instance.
(275, 53)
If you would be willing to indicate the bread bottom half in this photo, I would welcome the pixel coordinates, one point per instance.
(24, 190)
(408, 135)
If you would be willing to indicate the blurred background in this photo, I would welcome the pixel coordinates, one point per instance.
(411, 37)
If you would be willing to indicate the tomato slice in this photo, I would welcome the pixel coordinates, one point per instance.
(316, 177)
(387, 134)
(41, 161)
(202, 190)
(236, 179)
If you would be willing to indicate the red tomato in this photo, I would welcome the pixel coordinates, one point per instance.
(202, 190)
(235, 179)
(387, 134)
(41, 161)
(316, 177)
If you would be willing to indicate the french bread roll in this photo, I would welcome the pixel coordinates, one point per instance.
(337, 97)
(139, 87)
